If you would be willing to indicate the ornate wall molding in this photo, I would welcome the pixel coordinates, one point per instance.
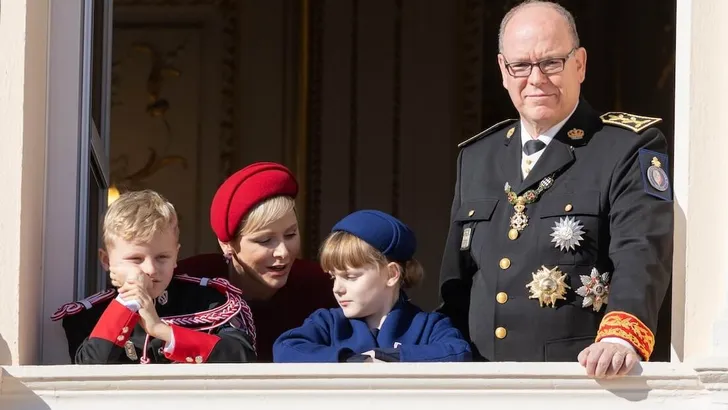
(229, 12)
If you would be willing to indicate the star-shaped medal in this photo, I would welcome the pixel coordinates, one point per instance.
(567, 233)
(595, 289)
(548, 286)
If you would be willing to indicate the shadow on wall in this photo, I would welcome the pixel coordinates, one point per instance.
(16, 396)
(628, 390)
(5, 358)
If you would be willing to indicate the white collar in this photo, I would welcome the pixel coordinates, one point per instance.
(547, 136)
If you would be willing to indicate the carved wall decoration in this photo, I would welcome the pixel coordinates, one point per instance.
(172, 116)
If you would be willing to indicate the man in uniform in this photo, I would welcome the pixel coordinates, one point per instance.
(560, 241)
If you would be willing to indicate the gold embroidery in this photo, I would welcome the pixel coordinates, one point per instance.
(628, 327)
(633, 122)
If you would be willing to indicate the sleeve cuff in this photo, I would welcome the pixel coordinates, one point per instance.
(132, 305)
(190, 346)
(116, 324)
(619, 341)
(169, 348)
(628, 328)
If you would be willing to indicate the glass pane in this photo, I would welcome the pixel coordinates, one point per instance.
(97, 64)
(95, 277)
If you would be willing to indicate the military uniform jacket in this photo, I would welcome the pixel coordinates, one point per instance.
(594, 259)
(209, 320)
(407, 335)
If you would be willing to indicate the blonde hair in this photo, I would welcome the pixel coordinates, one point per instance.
(137, 216)
(342, 250)
(265, 213)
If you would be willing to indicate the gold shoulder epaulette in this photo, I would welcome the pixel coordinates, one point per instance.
(632, 122)
(488, 131)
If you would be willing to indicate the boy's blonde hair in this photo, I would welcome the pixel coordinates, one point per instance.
(137, 216)
(265, 213)
(342, 250)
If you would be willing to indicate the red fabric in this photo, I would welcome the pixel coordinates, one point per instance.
(116, 324)
(245, 189)
(191, 346)
(308, 288)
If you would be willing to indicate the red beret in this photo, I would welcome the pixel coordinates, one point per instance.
(245, 189)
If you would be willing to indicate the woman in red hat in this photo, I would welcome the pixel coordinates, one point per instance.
(253, 216)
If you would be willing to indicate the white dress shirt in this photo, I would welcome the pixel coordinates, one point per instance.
(529, 161)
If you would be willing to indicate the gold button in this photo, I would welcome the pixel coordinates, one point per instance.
(125, 330)
(120, 338)
(500, 332)
(501, 297)
(568, 208)
(198, 359)
(189, 360)
(528, 162)
(505, 263)
(471, 213)
(513, 234)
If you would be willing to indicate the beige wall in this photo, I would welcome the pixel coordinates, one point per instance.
(700, 312)
(700, 321)
(23, 54)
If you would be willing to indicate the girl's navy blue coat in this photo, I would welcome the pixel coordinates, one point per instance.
(407, 335)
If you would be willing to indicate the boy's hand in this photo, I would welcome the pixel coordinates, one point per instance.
(137, 288)
(120, 274)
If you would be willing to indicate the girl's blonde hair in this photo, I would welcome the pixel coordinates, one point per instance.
(265, 213)
(341, 251)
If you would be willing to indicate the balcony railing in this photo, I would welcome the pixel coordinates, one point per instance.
(361, 386)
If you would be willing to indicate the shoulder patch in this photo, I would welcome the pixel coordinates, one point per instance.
(487, 131)
(653, 166)
(632, 122)
(72, 308)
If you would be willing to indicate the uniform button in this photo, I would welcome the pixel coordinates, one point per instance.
(471, 213)
(513, 234)
(198, 359)
(528, 162)
(189, 360)
(501, 297)
(500, 332)
(120, 338)
(125, 330)
(505, 263)
(568, 208)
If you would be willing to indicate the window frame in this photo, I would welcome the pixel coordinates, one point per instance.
(93, 145)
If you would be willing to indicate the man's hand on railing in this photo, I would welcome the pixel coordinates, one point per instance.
(605, 359)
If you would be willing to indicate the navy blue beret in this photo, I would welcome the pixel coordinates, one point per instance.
(382, 231)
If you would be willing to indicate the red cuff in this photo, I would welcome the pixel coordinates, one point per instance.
(116, 324)
(629, 328)
(191, 346)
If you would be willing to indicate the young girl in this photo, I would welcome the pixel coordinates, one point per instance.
(369, 255)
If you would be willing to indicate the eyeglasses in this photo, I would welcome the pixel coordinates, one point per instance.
(551, 65)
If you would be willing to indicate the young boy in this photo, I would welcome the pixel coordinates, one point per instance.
(153, 316)
(369, 255)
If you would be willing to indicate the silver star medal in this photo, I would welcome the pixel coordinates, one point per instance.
(595, 289)
(567, 233)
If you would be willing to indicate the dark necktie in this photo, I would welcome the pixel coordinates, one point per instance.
(533, 146)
